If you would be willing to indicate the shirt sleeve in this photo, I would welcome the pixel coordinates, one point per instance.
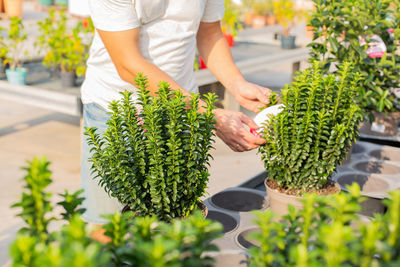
(214, 11)
(113, 15)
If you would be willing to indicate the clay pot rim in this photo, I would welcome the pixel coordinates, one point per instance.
(275, 191)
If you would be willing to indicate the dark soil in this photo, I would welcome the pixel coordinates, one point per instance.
(328, 190)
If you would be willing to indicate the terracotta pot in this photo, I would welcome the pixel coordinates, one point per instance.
(248, 18)
(13, 8)
(278, 202)
(1, 5)
(258, 22)
(385, 124)
(270, 19)
(310, 31)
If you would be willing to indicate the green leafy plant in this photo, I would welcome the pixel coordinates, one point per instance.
(328, 232)
(15, 43)
(230, 22)
(262, 7)
(67, 49)
(155, 161)
(315, 129)
(52, 31)
(343, 31)
(71, 204)
(286, 14)
(134, 241)
(145, 241)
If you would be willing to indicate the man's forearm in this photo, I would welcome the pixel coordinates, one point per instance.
(215, 51)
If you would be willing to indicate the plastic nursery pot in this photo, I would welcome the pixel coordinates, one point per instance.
(46, 2)
(355, 149)
(278, 202)
(13, 8)
(239, 200)
(371, 187)
(200, 206)
(61, 2)
(229, 223)
(68, 79)
(288, 42)
(16, 76)
(385, 124)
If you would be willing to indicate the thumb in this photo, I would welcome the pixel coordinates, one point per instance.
(263, 95)
(249, 122)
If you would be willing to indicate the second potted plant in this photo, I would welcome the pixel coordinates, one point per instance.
(155, 162)
(16, 74)
(286, 14)
(311, 135)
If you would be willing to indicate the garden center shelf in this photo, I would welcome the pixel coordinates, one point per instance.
(376, 168)
(46, 91)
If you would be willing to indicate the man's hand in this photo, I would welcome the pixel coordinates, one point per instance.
(230, 128)
(251, 96)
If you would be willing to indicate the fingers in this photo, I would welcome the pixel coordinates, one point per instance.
(262, 95)
(252, 105)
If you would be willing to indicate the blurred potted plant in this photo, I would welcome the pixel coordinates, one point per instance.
(67, 51)
(286, 14)
(155, 162)
(13, 8)
(73, 56)
(15, 41)
(230, 22)
(312, 134)
(52, 31)
(263, 13)
(329, 232)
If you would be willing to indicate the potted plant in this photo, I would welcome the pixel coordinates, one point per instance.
(329, 232)
(230, 22)
(367, 36)
(13, 8)
(155, 162)
(311, 135)
(52, 31)
(286, 14)
(15, 41)
(67, 50)
(263, 11)
(73, 55)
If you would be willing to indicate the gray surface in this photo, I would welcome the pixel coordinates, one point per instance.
(381, 174)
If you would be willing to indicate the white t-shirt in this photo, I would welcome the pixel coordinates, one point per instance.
(168, 31)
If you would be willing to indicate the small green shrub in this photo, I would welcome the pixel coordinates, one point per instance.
(155, 161)
(15, 43)
(315, 129)
(134, 242)
(328, 232)
(338, 27)
(66, 49)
